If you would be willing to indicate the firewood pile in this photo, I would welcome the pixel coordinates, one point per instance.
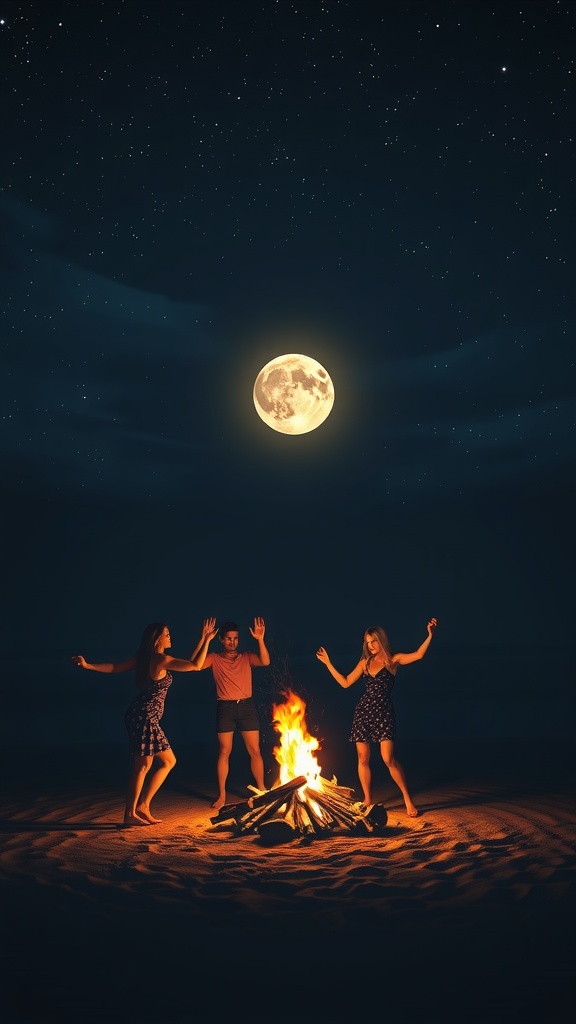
(302, 807)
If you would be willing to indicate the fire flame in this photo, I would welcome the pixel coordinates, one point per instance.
(295, 751)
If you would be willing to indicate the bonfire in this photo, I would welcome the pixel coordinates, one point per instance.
(302, 802)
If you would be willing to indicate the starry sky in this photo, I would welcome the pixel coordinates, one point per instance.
(190, 189)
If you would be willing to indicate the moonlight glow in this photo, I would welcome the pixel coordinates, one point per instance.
(293, 394)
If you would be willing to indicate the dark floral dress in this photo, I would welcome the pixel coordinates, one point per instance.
(142, 718)
(374, 719)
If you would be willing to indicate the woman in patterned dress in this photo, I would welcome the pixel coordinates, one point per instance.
(149, 745)
(373, 720)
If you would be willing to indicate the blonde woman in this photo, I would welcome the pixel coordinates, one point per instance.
(374, 719)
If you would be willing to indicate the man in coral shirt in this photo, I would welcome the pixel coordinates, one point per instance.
(235, 706)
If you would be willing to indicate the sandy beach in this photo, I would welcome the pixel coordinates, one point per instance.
(463, 914)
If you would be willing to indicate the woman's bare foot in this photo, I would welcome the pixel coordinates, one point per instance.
(135, 819)
(219, 803)
(411, 811)
(144, 812)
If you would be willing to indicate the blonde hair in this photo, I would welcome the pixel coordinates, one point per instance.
(381, 635)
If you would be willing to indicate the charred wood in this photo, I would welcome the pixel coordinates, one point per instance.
(237, 811)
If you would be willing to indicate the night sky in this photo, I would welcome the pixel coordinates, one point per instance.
(190, 189)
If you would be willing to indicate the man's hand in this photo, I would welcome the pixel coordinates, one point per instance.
(259, 629)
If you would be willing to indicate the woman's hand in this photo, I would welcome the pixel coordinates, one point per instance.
(322, 656)
(431, 626)
(209, 628)
(77, 659)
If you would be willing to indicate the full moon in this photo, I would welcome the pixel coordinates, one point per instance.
(293, 394)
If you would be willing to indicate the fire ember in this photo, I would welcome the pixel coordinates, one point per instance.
(302, 803)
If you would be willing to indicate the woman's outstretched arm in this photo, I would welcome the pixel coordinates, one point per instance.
(196, 662)
(407, 659)
(105, 666)
(344, 681)
(209, 629)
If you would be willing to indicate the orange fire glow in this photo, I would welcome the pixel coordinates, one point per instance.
(295, 751)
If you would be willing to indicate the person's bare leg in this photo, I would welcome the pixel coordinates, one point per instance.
(252, 743)
(166, 761)
(225, 740)
(397, 772)
(364, 773)
(140, 769)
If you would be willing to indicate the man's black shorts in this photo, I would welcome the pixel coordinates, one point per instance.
(237, 714)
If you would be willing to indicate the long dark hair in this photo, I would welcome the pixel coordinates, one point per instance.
(146, 650)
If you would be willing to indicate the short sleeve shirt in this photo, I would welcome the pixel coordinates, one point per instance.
(233, 676)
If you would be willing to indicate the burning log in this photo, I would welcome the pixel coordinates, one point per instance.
(277, 830)
(238, 811)
(329, 797)
(250, 821)
(377, 818)
(316, 818)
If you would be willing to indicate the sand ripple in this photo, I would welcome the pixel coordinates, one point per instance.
(460, 851)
